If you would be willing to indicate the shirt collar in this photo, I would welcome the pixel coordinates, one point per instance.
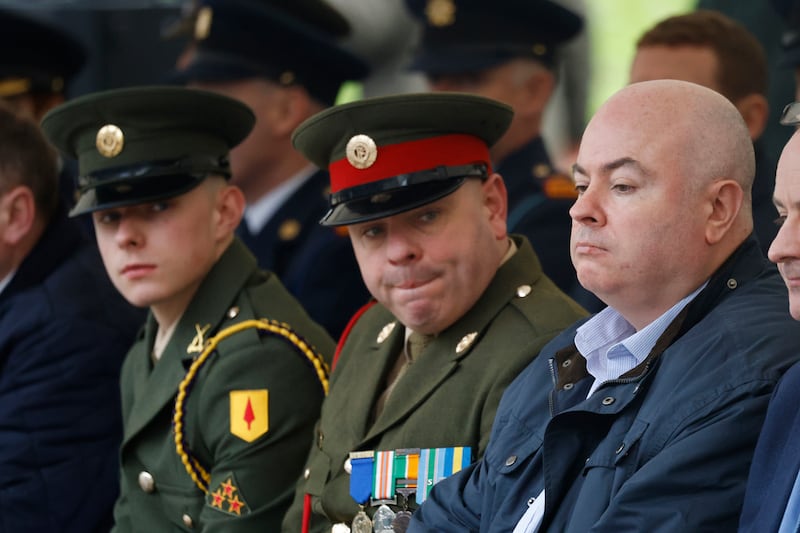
(612, 346)
(257, 214)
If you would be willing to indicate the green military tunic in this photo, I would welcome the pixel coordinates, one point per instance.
(247, 415)
(448, 397)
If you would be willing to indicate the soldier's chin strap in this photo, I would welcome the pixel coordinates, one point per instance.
(197, 471)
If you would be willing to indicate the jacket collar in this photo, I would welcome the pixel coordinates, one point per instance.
(453, 344)
(156, 385)
(744, 264)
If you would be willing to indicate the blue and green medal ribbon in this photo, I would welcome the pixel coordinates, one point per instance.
(435, 464)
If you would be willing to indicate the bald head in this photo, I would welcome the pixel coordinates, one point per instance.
(663, 172)
(709, 137)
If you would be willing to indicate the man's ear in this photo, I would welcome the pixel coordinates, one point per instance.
(495, 201)
(725, 197)
(292, 105)
(17, 214)
(230, 208)
(539, 87)
(755, 111)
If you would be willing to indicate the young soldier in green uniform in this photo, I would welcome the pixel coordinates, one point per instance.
(462, 306)
(221, 390)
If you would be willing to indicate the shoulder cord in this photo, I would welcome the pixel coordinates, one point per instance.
(196, 471)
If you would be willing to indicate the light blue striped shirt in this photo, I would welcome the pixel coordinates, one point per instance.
(612, 346)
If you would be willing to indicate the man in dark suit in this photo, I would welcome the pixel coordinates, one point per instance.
(772, 501)
(282, 60)
(64, 331)
(38, 60)
(507, 51)
(222, 387)
(462, 304)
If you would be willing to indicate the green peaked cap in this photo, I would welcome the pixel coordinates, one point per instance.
(143, 144)
(391, 154)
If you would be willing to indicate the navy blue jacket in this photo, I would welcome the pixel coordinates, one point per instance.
(776, 461)
(315, 263)
(664, 448)
(64, 331)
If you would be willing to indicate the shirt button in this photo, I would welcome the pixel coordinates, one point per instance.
(146, 482)
(511, 460)
(523, 291)
(568, 386)
(187, 521)
(530, 501)
(566, 363)
(348, 466)
(608, 400)
(307, 473)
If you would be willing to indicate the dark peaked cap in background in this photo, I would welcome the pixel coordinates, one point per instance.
(35, 56)
(470, 35)
(390, 154)
(789, 10)
(289, 42)
(143, 144)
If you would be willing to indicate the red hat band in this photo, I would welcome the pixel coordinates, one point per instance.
(367, 163)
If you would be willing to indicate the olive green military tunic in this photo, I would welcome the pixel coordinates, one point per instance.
(448, 397)
(247, 415)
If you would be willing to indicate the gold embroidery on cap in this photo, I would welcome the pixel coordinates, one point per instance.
(361, 151)
(440, 12)
(202, 24)
(110, 140)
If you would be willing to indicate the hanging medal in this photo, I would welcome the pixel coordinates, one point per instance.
(360, 488)
(406, 466)
(361, 523)
(382, 519)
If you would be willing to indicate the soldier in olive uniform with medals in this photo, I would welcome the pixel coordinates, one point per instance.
(508, 51)
(222, 388)
(462, 305)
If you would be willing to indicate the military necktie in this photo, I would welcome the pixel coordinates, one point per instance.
(414, 347)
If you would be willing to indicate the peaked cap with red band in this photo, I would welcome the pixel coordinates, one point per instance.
(390, 154)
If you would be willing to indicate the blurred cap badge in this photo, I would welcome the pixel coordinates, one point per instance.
(249, 413)
(440, 13)
(361, 151)
(110, 140)
(202, 24)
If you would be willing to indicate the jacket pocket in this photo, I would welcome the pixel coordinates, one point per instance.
(618, 453)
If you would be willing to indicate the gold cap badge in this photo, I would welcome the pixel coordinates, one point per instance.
(202, 24)
(361, 151)
(440, 12)
(110, 140)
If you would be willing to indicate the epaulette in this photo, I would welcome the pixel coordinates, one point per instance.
(196, 471)
(559, 186)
